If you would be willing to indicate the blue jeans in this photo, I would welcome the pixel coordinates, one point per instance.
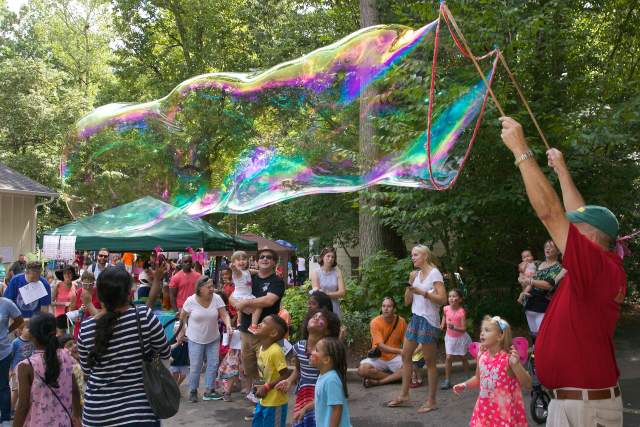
(197, 353)
(5, 392)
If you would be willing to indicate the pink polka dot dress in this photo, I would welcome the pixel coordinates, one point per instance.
(500, 401)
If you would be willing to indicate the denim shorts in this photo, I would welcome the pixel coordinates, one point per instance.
(421, 331)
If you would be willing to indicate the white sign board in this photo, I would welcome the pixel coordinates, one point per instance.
(32, 291)
(51, 246)
(59, 247)
(67, 247)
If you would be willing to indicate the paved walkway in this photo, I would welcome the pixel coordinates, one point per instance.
(368, 410)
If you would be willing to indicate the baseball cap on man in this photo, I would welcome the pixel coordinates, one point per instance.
(598, 216)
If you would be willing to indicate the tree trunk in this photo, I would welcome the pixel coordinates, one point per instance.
(373, 236)
(370, 228)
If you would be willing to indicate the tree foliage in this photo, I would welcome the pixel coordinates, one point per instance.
(576, 60)
(573, 61)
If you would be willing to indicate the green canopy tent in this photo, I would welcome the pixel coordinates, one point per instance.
(126, 228)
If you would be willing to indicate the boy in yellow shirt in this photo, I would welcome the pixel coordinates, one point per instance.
(271, 411)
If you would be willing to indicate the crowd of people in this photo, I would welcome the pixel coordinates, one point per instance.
(72, 344)
(75, 356)
(571, 306)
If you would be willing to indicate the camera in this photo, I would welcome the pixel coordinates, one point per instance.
(374, 353)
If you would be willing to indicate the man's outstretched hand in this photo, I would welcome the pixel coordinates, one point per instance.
(513, 136)
(556, 160)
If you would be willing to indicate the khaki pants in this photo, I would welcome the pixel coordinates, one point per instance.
(250, 349)
(585, 413)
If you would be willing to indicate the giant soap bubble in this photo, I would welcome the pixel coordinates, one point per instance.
(238, 142)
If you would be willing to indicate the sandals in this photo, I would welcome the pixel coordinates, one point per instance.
(426, 408)
(399, 403)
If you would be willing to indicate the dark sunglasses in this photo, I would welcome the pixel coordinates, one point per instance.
(266, 257)
(102, 255)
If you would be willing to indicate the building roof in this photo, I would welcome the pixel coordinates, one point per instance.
(16, 183)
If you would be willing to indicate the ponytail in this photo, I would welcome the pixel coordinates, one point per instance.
(43, 330)
(52, 363)
(104, 331)
(114, 285)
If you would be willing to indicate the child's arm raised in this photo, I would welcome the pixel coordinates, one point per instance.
(517, 370)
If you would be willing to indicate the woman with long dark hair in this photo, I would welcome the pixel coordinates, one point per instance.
(48, 395)
(111, 357)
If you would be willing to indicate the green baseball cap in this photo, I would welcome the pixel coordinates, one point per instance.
(598, 216)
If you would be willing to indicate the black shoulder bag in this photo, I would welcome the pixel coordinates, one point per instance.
(375, 352)
(160, 387)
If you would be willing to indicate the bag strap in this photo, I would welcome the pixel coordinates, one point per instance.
(392, 329)
(52, 391)
(139, 332)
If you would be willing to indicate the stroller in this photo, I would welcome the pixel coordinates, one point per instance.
(540, 398)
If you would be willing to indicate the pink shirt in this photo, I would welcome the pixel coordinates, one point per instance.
(45, 409)
(63, 294)
(458, 318)
(186, 285)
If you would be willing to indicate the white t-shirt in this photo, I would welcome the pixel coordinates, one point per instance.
(242, 286)
(202, 325)
(301, 264)
(425, 307)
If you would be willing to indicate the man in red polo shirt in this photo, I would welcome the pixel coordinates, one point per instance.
(183, 283)
(575, 356)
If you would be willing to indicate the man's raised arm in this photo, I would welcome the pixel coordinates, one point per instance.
(570, 195)
(542, 196)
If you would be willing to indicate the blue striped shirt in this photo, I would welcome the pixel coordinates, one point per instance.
(308, 374)
(115, 390)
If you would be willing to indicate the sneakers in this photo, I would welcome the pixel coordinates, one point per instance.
(253, 329)
(252, 397)
(248, 417)
(211, 395)
(227, 397)
(193, 396)
(445, 385)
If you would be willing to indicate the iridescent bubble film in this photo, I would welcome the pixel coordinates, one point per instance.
(238, 142)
